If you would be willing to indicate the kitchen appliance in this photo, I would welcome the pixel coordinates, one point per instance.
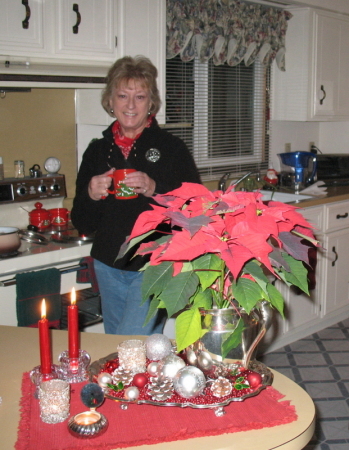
(38, 251)
(333, 169)
(298, 169)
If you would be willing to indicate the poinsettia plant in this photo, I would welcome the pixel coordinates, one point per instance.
(223, 249)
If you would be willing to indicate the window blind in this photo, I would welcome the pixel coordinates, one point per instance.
(221, 114)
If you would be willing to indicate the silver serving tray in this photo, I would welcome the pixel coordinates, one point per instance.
(266, 374)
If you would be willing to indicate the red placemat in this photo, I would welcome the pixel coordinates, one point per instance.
(147, 424)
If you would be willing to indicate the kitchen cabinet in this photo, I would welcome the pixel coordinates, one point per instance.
(315, 85)
(58, 30)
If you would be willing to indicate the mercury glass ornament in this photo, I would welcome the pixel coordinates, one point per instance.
(189, 382)
(158, 346)
(170, 365)
(104, 379)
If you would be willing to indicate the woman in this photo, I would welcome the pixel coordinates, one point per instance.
(162, 162)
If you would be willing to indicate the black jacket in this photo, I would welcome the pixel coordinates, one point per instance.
(112, 219)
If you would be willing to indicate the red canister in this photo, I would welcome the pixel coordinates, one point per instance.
(59, 216)
(39, 217)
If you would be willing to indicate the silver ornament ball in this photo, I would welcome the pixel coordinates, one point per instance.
(132, 393)
(170, 365)
(158, 346)
(152, 368)
(189, 382)
(104, 379)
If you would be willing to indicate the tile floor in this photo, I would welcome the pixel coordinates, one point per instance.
(319, 363)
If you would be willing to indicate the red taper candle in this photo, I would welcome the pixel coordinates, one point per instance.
(45, 344)
(73, 327)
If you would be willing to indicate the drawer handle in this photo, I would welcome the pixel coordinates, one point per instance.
(78, 18)
(324, 92)
(25, 22)
(336, 256)
(343, 216)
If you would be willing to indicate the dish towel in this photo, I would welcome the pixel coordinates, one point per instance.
(88, 275)
(31, 288)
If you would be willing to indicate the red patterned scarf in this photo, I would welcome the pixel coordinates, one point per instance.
(125, 143)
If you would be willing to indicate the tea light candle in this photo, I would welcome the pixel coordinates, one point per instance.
(87, 418)
(44, 340)
(73, 327)
(132, 355)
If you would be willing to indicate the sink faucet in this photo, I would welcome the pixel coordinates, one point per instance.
(222, 181)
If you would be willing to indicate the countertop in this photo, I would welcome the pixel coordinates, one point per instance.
(334, 194)
(24, 355)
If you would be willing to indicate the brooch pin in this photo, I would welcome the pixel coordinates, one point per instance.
(153, 155)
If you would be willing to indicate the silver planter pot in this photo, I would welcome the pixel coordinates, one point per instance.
(219, 324)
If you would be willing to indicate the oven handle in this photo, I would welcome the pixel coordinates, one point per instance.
(75, 268)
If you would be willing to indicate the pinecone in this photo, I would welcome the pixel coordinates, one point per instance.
(160, 388)
(122, 375)
(221, 387)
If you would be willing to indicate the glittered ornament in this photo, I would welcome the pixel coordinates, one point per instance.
(140, 380)
(160, 389)
(132, 393)
(170, 365)
(104, 379)
(158, 346)
(152, 368)
(221, 387)
(189, 382)
(254, 379)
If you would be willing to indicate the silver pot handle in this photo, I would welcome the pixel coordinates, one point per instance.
(266, 314)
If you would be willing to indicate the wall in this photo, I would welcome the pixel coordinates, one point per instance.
(38, 124)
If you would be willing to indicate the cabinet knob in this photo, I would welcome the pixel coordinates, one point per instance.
(78, 18)
(25, 22)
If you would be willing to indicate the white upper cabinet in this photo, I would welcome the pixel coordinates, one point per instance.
(81, 32)
(315, 85)
(85, 28)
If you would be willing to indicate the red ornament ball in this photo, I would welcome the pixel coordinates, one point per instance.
(254, 379)
(140, 380)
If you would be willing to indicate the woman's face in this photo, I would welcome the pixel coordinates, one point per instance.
(131, 103)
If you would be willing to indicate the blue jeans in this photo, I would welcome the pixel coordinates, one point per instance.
(121, 302)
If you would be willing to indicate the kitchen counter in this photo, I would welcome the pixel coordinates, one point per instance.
(334, 194)
(24, 356)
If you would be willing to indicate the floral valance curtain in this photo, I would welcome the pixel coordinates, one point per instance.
(226, 31)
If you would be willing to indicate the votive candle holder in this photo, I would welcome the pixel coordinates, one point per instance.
(54, 401)
(132, 355)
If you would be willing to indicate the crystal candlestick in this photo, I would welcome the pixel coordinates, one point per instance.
(74, 370)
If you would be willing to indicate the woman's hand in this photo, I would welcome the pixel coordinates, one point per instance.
(99, 184)
(141, 183)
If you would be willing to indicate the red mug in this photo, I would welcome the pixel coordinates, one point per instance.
(121, 191)
(59, 216)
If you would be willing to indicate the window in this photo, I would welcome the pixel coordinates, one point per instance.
(220, 112)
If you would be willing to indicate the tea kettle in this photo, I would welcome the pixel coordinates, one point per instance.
(298, 169)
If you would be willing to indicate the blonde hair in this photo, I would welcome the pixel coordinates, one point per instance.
(139, 69)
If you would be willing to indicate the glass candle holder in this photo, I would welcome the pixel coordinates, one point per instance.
(54, 400)
(132, 355)
(74, 370)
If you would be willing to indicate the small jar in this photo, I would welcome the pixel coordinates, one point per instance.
(19, 169)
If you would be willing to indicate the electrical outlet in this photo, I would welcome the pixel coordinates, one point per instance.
(311, 145)
(287, 147)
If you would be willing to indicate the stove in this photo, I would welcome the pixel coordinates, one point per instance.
(17, 199)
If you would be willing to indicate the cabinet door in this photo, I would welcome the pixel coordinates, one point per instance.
(336, 280)
(21, 28)
(331, 96)
(86, 28)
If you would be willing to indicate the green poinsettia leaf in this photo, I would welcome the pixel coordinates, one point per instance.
(155, 279)
(298, 275)
(188, 328)
(126, 246)
(207, 267)
(178, 291)
(153, 308)
(277, 260)
(233, 339)
(247, 293)
(276, 299)
(254, 269)
(202, 299)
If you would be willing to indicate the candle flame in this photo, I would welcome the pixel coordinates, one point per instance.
(73, 297)
(43, 309)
